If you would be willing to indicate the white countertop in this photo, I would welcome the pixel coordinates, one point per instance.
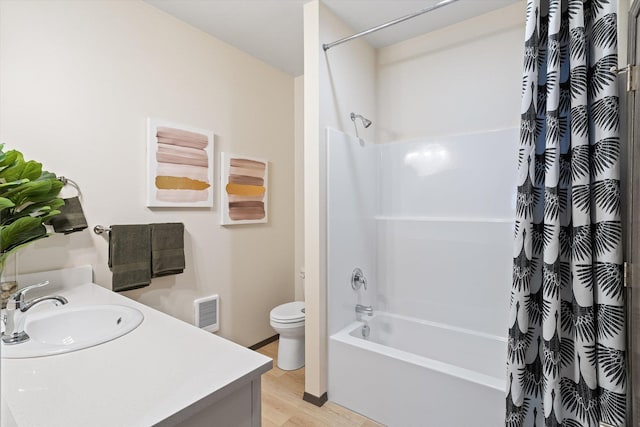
(159, 369)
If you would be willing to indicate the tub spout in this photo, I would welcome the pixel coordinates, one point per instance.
(364, 309)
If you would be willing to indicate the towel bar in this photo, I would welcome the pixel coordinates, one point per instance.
(99, 229)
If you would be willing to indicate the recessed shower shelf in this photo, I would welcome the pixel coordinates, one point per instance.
(444, 219)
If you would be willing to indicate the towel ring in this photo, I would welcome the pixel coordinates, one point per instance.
(68, 181)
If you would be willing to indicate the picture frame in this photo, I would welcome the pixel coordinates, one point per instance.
(180, 167)
(244, 189)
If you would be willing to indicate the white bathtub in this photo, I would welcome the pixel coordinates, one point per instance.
(415, 373)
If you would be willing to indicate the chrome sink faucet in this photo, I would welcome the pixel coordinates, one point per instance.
(15, 314)
(364, 309)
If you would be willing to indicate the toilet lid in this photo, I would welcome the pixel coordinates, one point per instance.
(289, 312)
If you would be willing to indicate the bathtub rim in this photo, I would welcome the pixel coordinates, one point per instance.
(344, 336)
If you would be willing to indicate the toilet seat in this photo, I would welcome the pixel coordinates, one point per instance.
(287, 326)
(292, 312)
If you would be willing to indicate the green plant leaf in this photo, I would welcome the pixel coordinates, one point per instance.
(52, 213)
(8, 158)
(6, 203)
(36, 210)
(34, 191)
(14, 171)
(6, 186)
(28, 199)
(22, 230)
(33, 209)
(48, 175)
(32, 170)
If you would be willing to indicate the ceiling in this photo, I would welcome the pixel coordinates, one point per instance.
(272, 30)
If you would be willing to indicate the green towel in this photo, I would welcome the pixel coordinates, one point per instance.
(71, 217)
(167, 249)
(130, 256)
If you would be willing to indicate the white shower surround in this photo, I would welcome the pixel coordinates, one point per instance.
(351, 225)
(430, 223)
(411, 372)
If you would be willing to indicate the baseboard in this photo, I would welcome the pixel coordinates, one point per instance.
(265, 342)
(318, 401)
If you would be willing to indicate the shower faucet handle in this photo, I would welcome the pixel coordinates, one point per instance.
(358, 280)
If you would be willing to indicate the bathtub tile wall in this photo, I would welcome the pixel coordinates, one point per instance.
(429, 222)
(456, 273)
(352, 236)
(463, 176)
(445, 229)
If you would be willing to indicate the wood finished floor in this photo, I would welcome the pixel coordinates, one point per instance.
(282, 403)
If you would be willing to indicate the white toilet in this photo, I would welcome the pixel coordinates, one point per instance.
(288, 321)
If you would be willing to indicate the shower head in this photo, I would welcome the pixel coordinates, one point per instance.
(365, 122)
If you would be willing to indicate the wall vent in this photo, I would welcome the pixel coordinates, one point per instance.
(207, 313)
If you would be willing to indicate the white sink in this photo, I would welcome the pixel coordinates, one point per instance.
(65, 329)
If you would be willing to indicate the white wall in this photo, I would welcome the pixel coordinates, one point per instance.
(79, 79)
(336, 83)
(299, 187)
(464, 78)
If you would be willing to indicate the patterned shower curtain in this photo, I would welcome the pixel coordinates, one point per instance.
(566, 347)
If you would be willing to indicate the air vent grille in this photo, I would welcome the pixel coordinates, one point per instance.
(207, 313)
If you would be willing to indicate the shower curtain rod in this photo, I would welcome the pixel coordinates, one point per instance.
(328, 46)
